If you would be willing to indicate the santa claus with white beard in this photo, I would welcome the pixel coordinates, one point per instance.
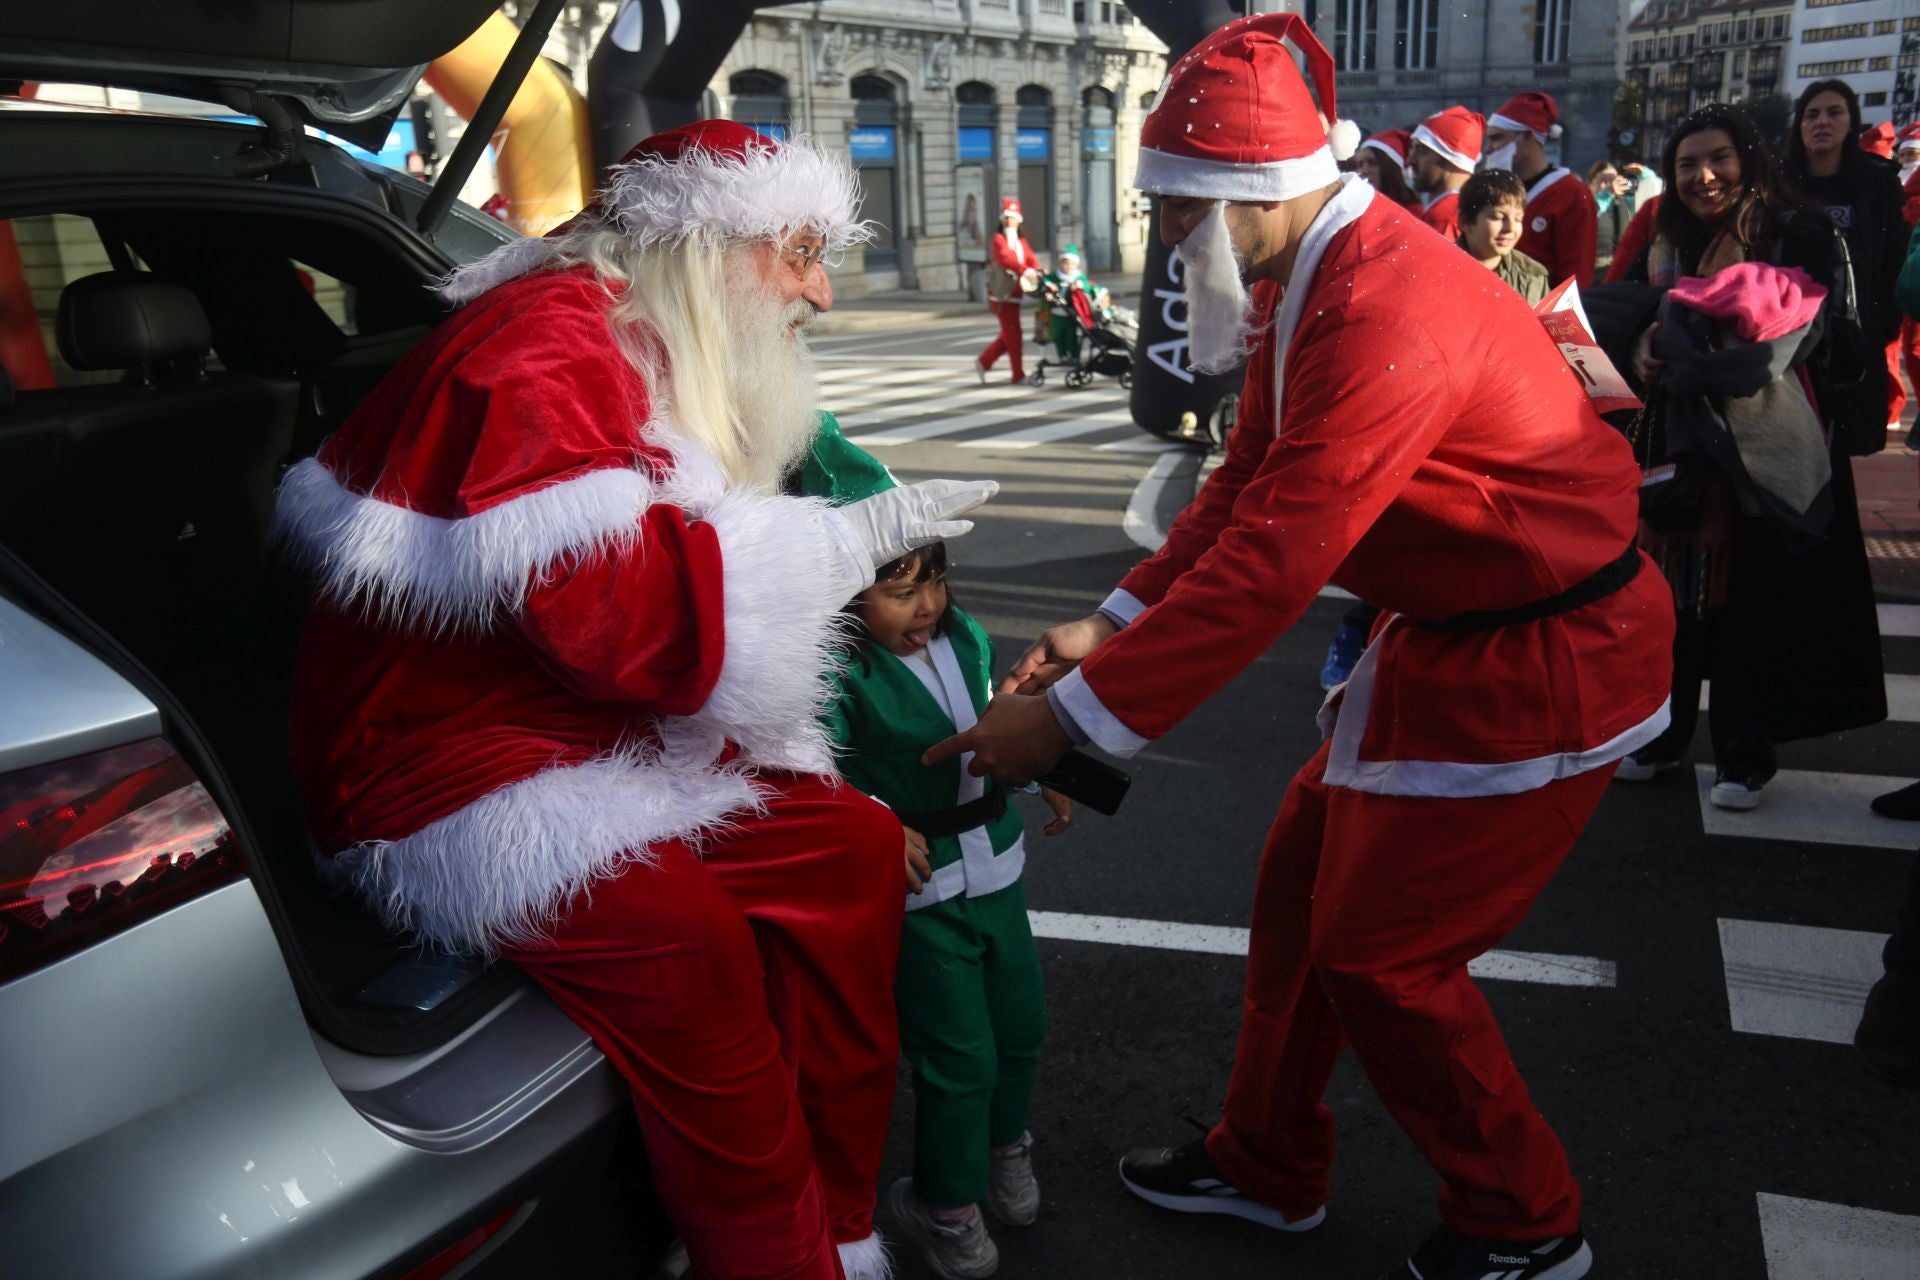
(557, 700)
(1416, 438)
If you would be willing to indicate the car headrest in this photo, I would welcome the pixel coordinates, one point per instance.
(118, 321)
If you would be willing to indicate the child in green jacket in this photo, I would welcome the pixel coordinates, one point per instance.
(971, 1009)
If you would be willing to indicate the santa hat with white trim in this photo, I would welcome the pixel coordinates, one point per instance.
(1455, 135)
(712, 182)
(1392, 143)
(1531, 112)
(1235, 120)
(1909, 138)
(1010, 208)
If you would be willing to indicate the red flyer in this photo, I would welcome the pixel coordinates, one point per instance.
(1566, 323)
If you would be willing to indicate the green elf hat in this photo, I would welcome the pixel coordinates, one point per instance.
(1071, 251)
(841, 471)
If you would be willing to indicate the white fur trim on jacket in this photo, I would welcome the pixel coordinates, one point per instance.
(502, 870)
(866, 1259)
(437, 573)
(790, 186)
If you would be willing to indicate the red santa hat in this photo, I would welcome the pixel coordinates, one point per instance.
(1234, 119)
(1909, 137)
(1878, 139)
(1391, 142)
(1531, 112)
(1455, 135)
(712, 181)
(1010, 208)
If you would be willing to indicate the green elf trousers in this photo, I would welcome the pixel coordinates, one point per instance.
(972, 1016)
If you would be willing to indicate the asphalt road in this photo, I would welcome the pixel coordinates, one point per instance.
(1704, 1150)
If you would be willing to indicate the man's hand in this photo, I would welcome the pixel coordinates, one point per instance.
(919, 870)
(1016, 741)
(1057, 652)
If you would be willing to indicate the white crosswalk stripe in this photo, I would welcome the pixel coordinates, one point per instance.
(1813, 808)
(1813, 1240)
(1797, 981)
(880, 406)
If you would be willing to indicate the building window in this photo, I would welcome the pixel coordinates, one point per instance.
(1552, 30)
(1875, 99)
(1416, 34)
(1880, 64)
(1840, 67)
(760, 102)
(1779, 26)
(1845, 31)
(1885, 27)
(1739, 63)
(1354, 25)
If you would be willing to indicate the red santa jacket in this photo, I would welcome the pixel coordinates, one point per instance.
(1433, 462)
(1011, 257)
(1563, 227)
(1443, 215)
(549, 635)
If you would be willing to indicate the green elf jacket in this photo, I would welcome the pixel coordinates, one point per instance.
(886, 713)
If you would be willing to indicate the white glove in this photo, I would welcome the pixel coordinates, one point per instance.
(892, 523)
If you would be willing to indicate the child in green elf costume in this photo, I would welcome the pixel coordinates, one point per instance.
(1057, 286)
(968, 993)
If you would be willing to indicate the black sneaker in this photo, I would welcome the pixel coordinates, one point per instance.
(1183, 1179)
(1888, 1038)
(1448, 1255)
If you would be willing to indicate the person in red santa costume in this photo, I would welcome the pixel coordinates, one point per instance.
(557, 700)
(1447, 466)
(1013, 273)
(1446, 149)
(1563, 222)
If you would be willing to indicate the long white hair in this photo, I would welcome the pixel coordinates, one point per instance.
(701, 328)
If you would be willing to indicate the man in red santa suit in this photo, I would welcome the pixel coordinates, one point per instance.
(1446, 148)
(557, 699)
(1445, 464)
(1563, 222)
(1013, 272)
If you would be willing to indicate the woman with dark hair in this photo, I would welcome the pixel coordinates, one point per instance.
(1862, 192)
(1382, 161)
(1776, 611)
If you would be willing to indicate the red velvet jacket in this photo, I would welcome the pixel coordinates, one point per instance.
(1433, 461)
(549, 634)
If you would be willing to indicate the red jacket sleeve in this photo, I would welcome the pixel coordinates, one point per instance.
(1199, 525)
(1632, 241)
(641, 623)
(1353, 437)
(1010, 258)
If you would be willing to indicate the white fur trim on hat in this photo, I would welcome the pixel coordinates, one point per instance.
(1498, 121)
(1166, 174)
(1458, 159)
(502, 870)
(1384, 148)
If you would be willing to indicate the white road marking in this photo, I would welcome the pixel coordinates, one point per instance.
(1814, 807)
(1899, 619)
(1084, 424)
(1797, 981)
(888, 404)
(1814, 1240)
(1142, 521)
(1164, 935)
(848, 376)
(1143, 444)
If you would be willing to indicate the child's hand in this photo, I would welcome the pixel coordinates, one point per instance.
(919, 870)
(1062, 811)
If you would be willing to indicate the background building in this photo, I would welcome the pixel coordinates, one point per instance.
(1402, 60)
(1683, 54)
(1874, 45)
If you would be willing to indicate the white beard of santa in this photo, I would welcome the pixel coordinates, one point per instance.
(1219, 307)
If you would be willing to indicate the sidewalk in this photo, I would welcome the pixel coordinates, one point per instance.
(1889, 493)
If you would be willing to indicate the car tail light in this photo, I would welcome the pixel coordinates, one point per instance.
(96, 843)
(465, 1247)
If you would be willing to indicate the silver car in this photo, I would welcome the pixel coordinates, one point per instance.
(215, 1065)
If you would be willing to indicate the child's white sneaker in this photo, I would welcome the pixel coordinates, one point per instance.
(1012, 1194)
(964, 1252)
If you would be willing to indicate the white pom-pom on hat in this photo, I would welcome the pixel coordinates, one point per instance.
(1344, 138)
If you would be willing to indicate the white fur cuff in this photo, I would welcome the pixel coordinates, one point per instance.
(866, 1259)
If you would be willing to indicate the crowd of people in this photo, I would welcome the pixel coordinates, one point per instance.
(627, 666)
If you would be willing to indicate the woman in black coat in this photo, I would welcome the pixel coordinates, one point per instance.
(1861, 191)
(1787, 634)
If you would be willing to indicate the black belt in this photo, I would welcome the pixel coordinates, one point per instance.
(1597, 586)
(964, 817)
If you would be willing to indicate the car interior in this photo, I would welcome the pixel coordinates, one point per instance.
(202, 351)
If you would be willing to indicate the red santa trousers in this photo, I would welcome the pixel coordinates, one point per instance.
(1009, 340)
(1903, 350)
(745, 991)
(1368, 909)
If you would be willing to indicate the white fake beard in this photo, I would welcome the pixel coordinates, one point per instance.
(1906, 171)
(1500, 158)
(1219, 308)
(771, 377)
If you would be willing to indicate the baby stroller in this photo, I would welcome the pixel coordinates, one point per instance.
(1103, 346)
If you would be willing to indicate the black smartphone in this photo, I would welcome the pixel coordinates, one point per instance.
(1094, 783)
